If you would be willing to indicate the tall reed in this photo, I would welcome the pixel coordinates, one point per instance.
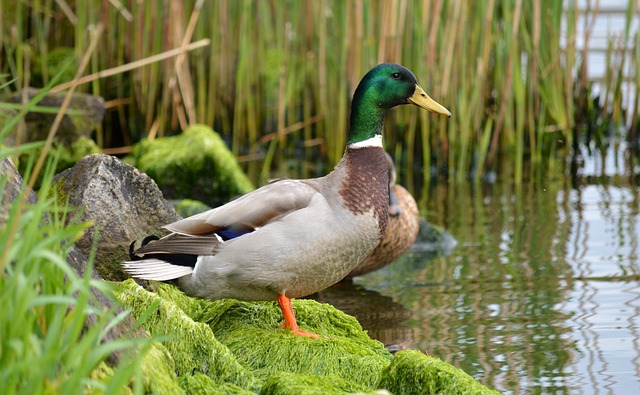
(277, 75)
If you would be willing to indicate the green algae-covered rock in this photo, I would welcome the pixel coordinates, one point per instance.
(343, 350)
(290, 383)
(233, 347)
(159, 374)
(195, 164)
(412, 372)
(191, 344)
(58, 60)
(200, 384)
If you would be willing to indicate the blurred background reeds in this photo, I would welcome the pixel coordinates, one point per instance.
(275, 78)
(544, 96)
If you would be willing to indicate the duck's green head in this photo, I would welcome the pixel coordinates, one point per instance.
(386, 85)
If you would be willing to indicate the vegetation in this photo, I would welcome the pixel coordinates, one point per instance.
(274, 79)
(236, 347)
(270, 75)
(46, 343)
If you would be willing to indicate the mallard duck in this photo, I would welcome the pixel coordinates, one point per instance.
(291, 238)
(402, 227)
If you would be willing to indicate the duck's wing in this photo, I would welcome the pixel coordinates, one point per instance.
(177, 243)
(253, 210)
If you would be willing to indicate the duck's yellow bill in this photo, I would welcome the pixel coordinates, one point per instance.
(421, 99)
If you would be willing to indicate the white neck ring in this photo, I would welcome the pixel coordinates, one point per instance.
(375, 141)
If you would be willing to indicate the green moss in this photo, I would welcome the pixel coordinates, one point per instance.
(412, 372)
(60, 59)
(195, 164)
(102, 374)
(199, 384)
(283, 383)
(188, 207)
(250, 331)
(158, 372)
(191, 344)
(232, 347)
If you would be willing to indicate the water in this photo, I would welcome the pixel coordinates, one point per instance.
(540, 295)
(606, 26)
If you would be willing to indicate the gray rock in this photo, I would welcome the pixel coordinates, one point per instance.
(87, 114)
(13, 187)
(6, 115)
(123, 204)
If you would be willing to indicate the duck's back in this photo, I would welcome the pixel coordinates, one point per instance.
(309, 248)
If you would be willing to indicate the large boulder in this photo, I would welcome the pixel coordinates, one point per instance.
(123, 204)
(195, 164)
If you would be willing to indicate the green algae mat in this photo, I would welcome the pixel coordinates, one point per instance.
(233, 347)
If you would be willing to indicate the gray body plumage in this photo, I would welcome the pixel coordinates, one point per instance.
(306, 235)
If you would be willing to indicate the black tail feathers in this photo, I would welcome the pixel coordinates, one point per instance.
(145, 241)
(174, 259)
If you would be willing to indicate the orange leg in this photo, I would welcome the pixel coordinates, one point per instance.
(290, 318)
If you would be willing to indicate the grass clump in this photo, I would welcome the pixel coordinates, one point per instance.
(53, 329)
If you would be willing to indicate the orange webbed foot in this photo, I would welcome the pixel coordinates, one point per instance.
(290, 318)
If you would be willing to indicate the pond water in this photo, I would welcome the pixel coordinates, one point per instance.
(541, 293)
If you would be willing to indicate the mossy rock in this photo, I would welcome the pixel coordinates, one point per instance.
(58, 60)
(292, 383)
(85, 112)
(188, 207)
(412, 372)
(195, 164)
(191, 344)
(232, 347)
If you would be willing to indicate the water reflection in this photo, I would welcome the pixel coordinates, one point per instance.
(541, 294)
(381, 316)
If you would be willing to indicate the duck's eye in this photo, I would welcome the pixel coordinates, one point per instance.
(395, 76)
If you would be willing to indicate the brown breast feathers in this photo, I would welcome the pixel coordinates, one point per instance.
(366, 185)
